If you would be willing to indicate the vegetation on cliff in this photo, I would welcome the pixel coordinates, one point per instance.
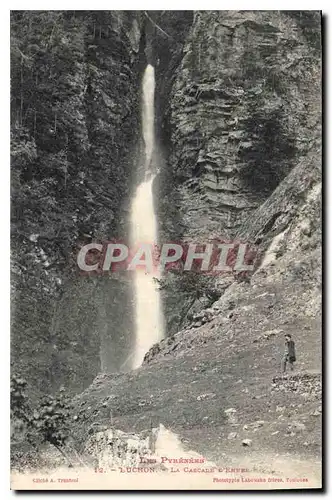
(74, 115)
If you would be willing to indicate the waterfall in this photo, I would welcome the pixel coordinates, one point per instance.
(148, 311)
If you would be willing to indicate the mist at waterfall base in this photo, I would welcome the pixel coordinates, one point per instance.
(143, 223)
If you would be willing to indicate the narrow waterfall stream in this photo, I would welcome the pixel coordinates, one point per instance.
(148, 311)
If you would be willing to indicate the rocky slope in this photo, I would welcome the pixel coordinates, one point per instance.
(218, 382)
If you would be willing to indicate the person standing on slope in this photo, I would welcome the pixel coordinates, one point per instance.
(289, 354)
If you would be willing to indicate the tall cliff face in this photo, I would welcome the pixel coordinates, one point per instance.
(243, 111)
(99, 308)
(75, 126)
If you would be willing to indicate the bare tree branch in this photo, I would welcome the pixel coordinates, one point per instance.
(156, 25)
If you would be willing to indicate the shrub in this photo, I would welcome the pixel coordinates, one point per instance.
(48, 422)
(51, 419)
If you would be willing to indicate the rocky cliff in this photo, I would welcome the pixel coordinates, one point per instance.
(243, 111)
(75, 128)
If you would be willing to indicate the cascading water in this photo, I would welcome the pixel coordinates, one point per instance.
(148, 311)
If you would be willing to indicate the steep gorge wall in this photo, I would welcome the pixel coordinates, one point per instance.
(114, 57)
(75, 127)
(243, 111)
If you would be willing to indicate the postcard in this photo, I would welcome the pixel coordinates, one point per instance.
(166, 234)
